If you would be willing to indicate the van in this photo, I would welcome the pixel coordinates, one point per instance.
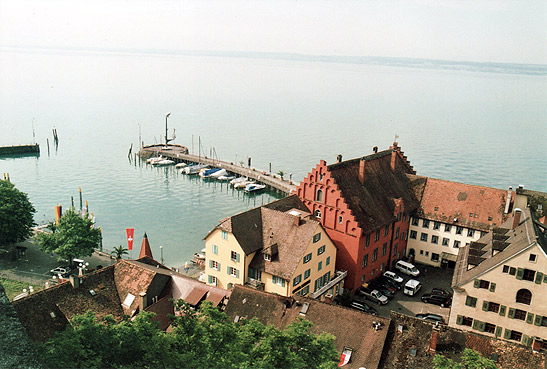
(412, 287)
(407, 268)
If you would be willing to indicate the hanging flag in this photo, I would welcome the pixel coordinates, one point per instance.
(130, 232)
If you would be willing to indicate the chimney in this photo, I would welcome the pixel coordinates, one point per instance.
(339, 158)
(74, 281)
(508, 203)
(143, 303)
(433, 342)
(328, 298)
(362, 170)
(516, 218)
(375, 149)
(297, 221)
(393, 159)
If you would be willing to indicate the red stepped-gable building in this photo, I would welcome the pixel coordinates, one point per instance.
(364, 205)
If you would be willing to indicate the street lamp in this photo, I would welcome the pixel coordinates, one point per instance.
(161, 251)
(166, 139)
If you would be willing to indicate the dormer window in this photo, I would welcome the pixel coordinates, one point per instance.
(267, 257)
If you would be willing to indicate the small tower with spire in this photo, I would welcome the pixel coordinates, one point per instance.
(145, 248)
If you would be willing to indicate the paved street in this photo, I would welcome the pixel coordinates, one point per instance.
(411, 305)
(34, 266)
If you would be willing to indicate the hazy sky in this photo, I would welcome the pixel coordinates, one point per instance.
(472, 30)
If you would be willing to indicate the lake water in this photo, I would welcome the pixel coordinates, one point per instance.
(462, 125)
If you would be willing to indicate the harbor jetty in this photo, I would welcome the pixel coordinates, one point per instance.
(33, 149)
(179, 154)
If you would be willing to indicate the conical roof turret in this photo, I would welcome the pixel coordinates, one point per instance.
(145, 248)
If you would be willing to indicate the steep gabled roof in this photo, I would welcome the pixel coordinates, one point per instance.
(47, 311)
(145, 248)
(350, 327)
(498, 247)
(291, 240)
(463, 204)
(372, 201)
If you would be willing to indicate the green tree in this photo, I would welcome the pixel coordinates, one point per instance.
(470, 359)
(281, 173)
(73, 237)
(200, 339)
(16, 214)
(119, 252)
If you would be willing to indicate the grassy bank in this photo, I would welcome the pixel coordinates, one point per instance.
(14, 288)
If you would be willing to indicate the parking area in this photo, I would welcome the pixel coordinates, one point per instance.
(430, 277)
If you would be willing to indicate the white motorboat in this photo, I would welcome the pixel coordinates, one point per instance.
(225, 178)
(254, 187)
(238, 180)
(243, 184)
(163, 162)
(180, 165)
(194, 169)
(210, 172)
(154, 159)
(219, 173)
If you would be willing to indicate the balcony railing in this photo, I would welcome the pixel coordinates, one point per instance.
(340, 275)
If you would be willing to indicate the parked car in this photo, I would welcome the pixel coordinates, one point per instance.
(407, 268)
(362, 306)
(440, 291)
(435, 318)
(394, 277)
(412, 287)
(373, 295)
(387, 291)
(391, 282)
(383, 284)
(443, 301)
(62, 271)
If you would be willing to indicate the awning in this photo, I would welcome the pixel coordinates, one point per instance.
(448, 256)
(195, 296)
(346, 356)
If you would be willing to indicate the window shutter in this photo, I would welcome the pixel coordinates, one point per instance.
(520, 273)
(485, 305)
(211, 264)
(237, 273)
(459, 319)
(210, 278)
(511, 313)
(537, 321)
(282, 282)
(529, 318)
(545, 278)
(476, 283)
(502, 310)
(218, 267)
(492, 287)
(539, 277)
(476, 324)
(237, 257)
(526, 340)
(507, 334)
(481, 326)
(228, 270)
(498, 331)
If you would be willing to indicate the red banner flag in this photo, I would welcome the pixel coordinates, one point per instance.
(130, 232)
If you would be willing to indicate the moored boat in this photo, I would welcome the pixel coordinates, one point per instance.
(254, 187)
(194, 169)
(243, 184)
(209, 172)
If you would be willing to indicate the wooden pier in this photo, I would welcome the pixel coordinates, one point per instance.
(33, 149)
(180, 154)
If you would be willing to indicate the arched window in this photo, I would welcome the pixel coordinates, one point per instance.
(317, 213)
(524, 296)
(319, 196)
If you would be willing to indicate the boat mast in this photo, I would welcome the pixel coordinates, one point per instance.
(166, 139)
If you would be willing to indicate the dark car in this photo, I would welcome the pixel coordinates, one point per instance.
(443, 301)
(391, 282)
(362, 306)
(385, 284)
(440, 291)
(435, 318)
(385, 290)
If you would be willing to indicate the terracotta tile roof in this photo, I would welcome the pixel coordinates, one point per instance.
(196, 295)
(372, 202)
(445, 201)
(16, 348)
(133, 277)
(45, 312)
(182, 286)
(416, 337)
(350, 327)
(290, 239)
(145, 248)
(163, 309)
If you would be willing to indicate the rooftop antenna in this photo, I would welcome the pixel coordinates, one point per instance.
(396, 137)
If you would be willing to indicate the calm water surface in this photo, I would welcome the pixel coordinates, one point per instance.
(480, 128)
